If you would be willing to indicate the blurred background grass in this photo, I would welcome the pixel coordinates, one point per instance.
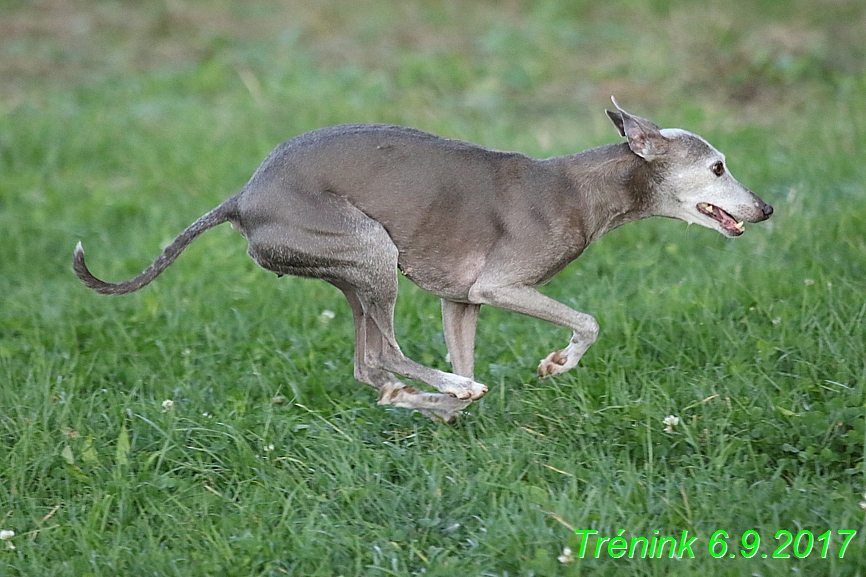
(121, 122)
(748, 58)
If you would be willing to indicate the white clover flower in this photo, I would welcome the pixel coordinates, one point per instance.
(670, 422)
(167, 405)
(6, 534)
(268, 448)
(566, 556)
(327, 315)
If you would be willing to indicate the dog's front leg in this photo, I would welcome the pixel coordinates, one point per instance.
(458, 324)
(528, 301)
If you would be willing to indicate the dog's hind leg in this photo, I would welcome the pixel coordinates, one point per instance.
(376, 378)
(377, 295)
(437, 406)
(326, 237)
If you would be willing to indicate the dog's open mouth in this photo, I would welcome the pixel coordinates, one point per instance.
(728, 222)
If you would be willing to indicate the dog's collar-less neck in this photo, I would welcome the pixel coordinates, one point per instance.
(610, 186)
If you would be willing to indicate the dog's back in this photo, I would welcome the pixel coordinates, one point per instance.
(445, 203)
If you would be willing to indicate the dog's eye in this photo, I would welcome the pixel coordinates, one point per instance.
(718, 168)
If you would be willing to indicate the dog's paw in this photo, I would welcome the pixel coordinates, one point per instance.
(563, 360)
(476, 390)
(554, 364)
(464, 389)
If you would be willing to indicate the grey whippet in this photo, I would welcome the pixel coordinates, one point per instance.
(354, 204)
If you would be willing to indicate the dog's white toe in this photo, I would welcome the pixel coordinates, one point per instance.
(478, 391)
(464, 388)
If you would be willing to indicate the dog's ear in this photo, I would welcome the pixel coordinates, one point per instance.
(644, 137)
(616, 118)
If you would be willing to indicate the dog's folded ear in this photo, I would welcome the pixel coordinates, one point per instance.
(644, 137)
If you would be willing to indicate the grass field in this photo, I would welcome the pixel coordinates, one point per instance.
(122, 122)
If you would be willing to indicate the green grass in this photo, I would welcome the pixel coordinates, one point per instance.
(120, 123)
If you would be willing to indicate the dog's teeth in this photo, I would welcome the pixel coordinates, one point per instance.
(741, 226)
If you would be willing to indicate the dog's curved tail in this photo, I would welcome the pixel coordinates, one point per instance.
(225, 212)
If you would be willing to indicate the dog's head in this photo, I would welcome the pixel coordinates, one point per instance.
(691, 180)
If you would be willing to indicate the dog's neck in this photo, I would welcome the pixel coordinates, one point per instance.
(608, 186)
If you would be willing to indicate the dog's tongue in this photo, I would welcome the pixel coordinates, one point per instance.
(728, 222)
(726, 219)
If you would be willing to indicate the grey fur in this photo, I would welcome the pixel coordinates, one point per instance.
(353, 204)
